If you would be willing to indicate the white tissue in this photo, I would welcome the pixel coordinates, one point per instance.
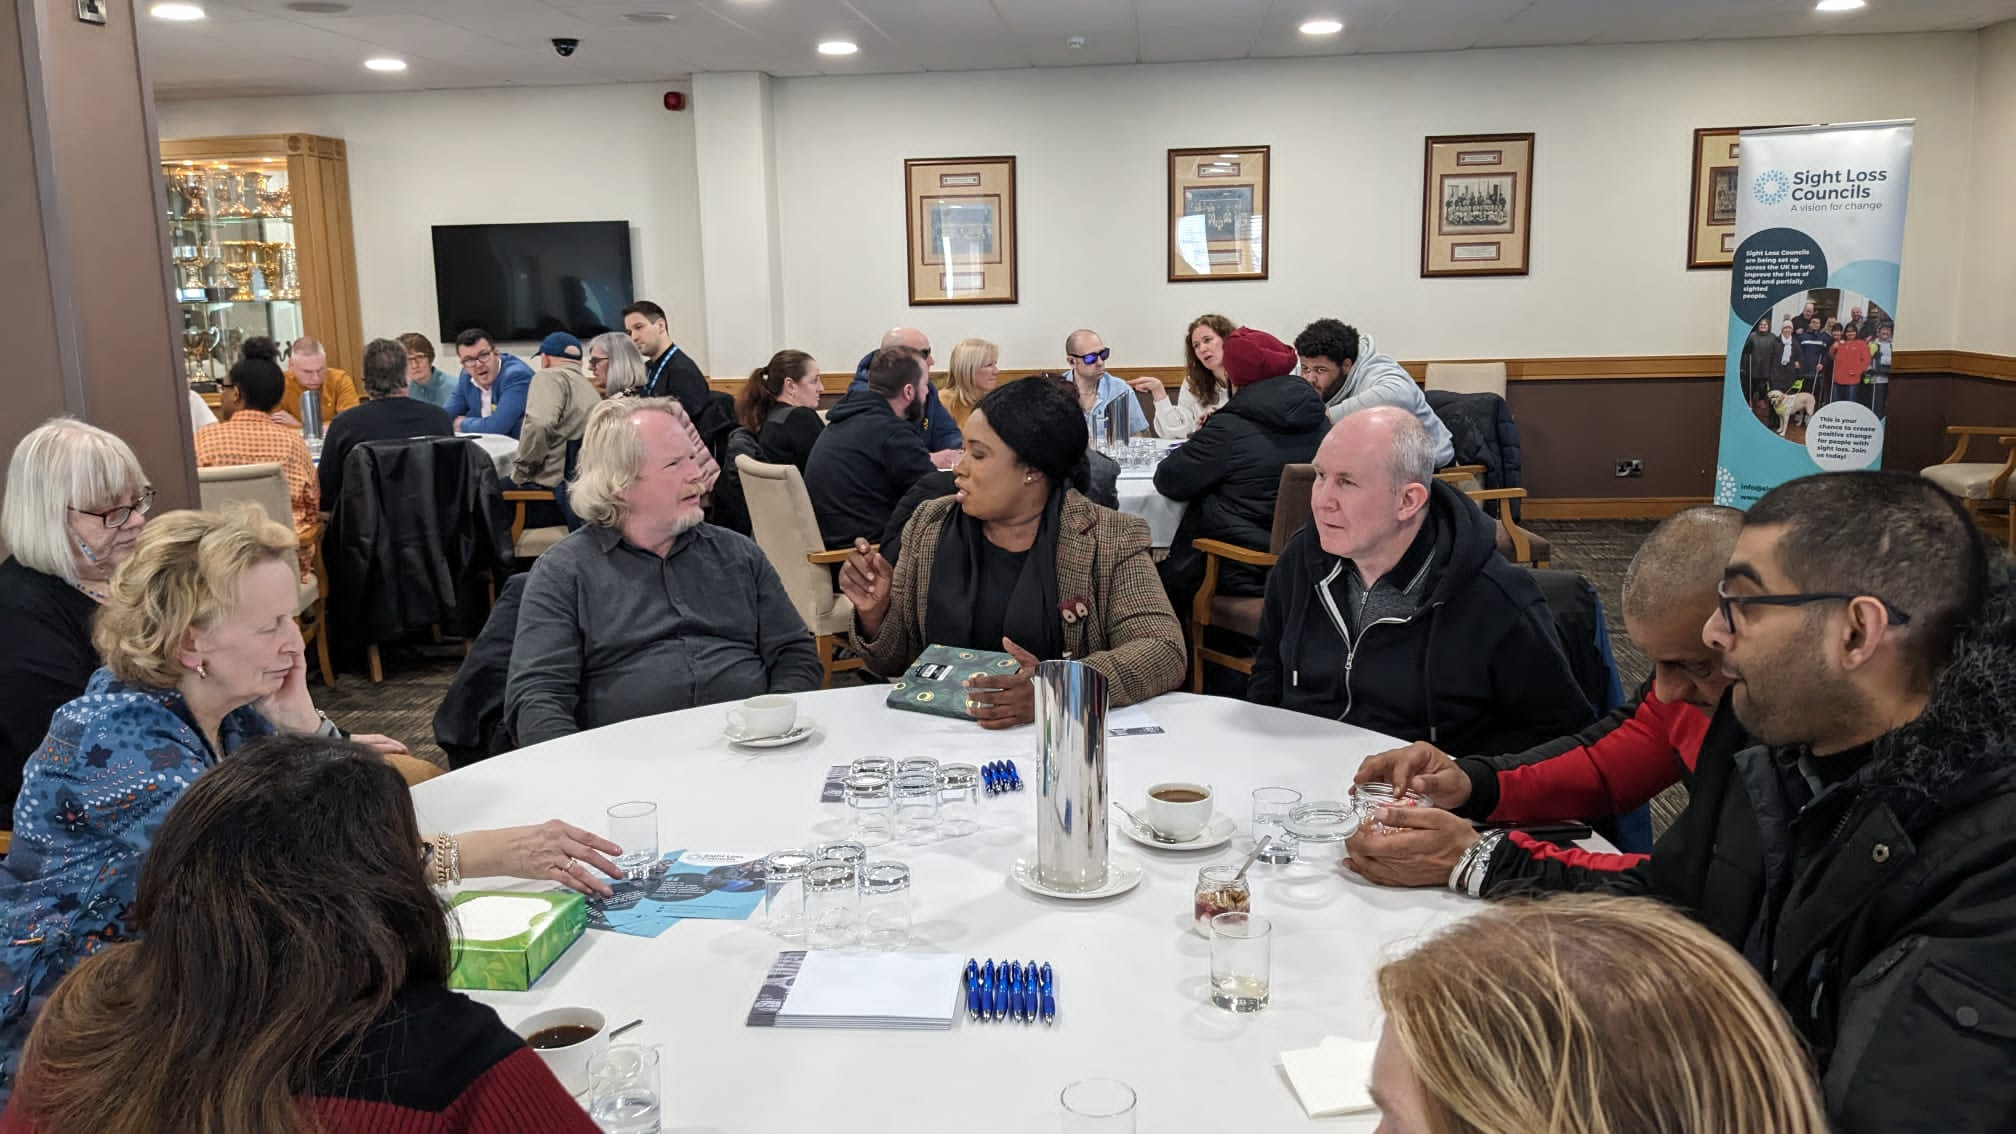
(496, 917)
(1332, 1079)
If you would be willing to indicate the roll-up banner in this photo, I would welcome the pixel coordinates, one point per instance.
(1812, 302)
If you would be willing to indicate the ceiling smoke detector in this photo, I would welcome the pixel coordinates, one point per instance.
(1075, 43)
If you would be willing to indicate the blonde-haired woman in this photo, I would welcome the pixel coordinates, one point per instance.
(201, 656)
(974, 371)
(1205, 385)
(1586, 1015)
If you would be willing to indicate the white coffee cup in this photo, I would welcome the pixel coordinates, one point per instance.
(772, 714)
(1185, 815)
(569, 1064)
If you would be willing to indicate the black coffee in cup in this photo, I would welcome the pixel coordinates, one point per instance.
(1179, 795)
(560, 1035)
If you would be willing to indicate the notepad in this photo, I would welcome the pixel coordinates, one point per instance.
(817, 989)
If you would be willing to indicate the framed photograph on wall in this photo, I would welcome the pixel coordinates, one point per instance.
(1711, 212)
(1477, 205)
(959, 229)
(1218, 213)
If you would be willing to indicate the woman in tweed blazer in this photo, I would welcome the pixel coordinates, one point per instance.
(1018, 559)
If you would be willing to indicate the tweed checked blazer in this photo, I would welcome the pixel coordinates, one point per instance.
(1127, 631)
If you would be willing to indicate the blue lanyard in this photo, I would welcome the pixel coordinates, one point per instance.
(651, 391)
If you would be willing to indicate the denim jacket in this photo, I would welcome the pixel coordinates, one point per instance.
(92, 797)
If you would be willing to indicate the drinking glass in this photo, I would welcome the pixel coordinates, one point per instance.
(885, 905)
(1368, 799)
(873, 765)
(623, 1089)
(634, 827)
(1271, 808)
(867, 796)
(831, 904)
(958, 799)
(917, 807)
(851, 853)
(1098, 1106)
(784, 892)
(1240, 961)
(917, 766)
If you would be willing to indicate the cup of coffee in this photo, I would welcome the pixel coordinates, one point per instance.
(567, 1038)
(772, 714)
(1178, 810)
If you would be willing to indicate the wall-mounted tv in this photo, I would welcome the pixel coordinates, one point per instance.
(525, 281)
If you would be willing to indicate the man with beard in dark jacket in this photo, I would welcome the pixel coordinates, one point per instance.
(1229, 471)
(871, 451)
(1393, 611)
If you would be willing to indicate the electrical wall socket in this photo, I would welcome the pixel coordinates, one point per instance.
(1630, 466)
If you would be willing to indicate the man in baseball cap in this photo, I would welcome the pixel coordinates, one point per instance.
(556, 413)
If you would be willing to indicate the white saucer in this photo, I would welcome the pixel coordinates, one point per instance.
(804, 728)
(1122, 875)
(1216, 833)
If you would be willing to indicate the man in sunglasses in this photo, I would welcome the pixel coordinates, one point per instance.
(1100, 394)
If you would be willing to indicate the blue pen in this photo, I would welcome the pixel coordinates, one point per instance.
(1049, 983)
(998, 1002)
(972, 980)
(987, 778)
(1029, 993)
(1014, 776)
(1015, 990)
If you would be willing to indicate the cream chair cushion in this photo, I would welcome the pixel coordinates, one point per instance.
(780, 516)
(1969, 480)
(1467, 377)
(534, 542)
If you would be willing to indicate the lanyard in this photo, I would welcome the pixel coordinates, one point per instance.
(651, 391)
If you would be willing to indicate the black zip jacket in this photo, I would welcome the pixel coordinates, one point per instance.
(862, 464)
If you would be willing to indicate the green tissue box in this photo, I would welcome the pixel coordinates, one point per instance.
(504, 939)
(936, 682)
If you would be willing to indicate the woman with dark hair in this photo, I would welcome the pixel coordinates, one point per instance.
(292, 976)
(779, 406)
(1017, 559)
(1759, 355)
(1205, 386)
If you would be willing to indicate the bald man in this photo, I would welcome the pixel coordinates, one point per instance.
(1392, 610)
(308, 369)
(1628, 757)
(941, 433)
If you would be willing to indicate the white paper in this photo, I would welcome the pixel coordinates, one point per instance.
(875, 986)
(1332, 1079)
(1130, 721)
(495, 917)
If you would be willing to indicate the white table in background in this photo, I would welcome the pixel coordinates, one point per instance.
(1136, 489)
(1132, 978)
(502, 448)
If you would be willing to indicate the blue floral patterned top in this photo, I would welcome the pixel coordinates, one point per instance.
(92, 797)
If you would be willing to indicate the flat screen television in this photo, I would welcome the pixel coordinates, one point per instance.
(524, 281)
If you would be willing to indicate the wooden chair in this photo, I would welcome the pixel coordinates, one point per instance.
(530, 543)
(1240, 614)
(1514, 542)
(781, 518)
(1983, 487)
(266, 486)
(1466, 377)
(1463, 478)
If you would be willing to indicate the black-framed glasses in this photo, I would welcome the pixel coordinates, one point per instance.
(117, 517)
(1100, 355)
(479, 356)
(597, 360)
(1728, 602)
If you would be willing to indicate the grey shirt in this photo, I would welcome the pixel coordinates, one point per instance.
(609, 632)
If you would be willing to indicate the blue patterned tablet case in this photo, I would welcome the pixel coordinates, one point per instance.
(936, 682)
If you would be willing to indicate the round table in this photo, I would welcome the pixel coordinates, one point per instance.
(1132, 978)
(1136, 489)
(502, 449)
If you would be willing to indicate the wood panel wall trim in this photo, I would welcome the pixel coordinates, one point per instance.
(1608, 508)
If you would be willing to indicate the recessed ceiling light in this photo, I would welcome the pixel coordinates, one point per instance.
(650, 17)
(1322, 27)
(318, 7)
(385, 64)
(1839, 5)
(178, 12)
(838, 47)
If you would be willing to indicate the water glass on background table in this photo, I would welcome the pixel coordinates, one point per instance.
(868, 801)
(958, 799)
(1241, 961)
(623, 1089)
(784, 892)
(916, 806)
(832, 905)
(1097, 1106)
(1271, 808)
(634, 827)
(885, 905)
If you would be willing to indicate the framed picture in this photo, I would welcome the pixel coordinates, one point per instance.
(1711, 212)
(1477, 205)
(1218, 213)
(959, 229)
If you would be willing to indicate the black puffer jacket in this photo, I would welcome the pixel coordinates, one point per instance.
(1883, 912)
(1483, 432)
(1230, 469)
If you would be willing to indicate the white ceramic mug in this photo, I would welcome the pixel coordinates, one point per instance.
(1182, 819)
(772, 714)
(569, 1064)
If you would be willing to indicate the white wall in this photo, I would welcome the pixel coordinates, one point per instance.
(1612, 163)
(1988, 288)
(471, 157)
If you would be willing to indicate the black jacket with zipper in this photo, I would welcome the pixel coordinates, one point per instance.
(1478, 667)
(1882, 910)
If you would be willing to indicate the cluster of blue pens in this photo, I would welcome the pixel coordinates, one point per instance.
(1012, 990)
(999, 776)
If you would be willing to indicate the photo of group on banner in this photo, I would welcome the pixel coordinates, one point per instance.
(1816, 347)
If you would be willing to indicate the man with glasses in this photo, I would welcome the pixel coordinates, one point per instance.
(941, 433)
(490, 395)
(1101, 395)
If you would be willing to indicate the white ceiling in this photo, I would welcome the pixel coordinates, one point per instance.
(260, 47)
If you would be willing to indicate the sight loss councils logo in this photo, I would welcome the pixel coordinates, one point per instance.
(1770, 187)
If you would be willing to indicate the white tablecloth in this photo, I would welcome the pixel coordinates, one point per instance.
(1138, 497)
(1132, 978)
(502, 447)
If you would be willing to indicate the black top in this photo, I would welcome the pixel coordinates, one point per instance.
(677, 377)
(46, 625)
(787, 439)
(998, 572)
(865, 461)
(380, 419)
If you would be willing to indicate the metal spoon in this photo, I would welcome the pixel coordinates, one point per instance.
(624, 1028)
(1259, 848)
(1148, 827)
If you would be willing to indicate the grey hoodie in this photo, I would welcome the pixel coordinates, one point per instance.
(1377, 380)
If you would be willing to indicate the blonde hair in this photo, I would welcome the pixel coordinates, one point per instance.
(962, 390)
(63, 464)
(611, 457)
(1595, 1015)
(183, 575)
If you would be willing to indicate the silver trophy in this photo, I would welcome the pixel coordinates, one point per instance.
(1071, 747)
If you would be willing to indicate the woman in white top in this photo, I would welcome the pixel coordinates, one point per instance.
(1205, 386)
